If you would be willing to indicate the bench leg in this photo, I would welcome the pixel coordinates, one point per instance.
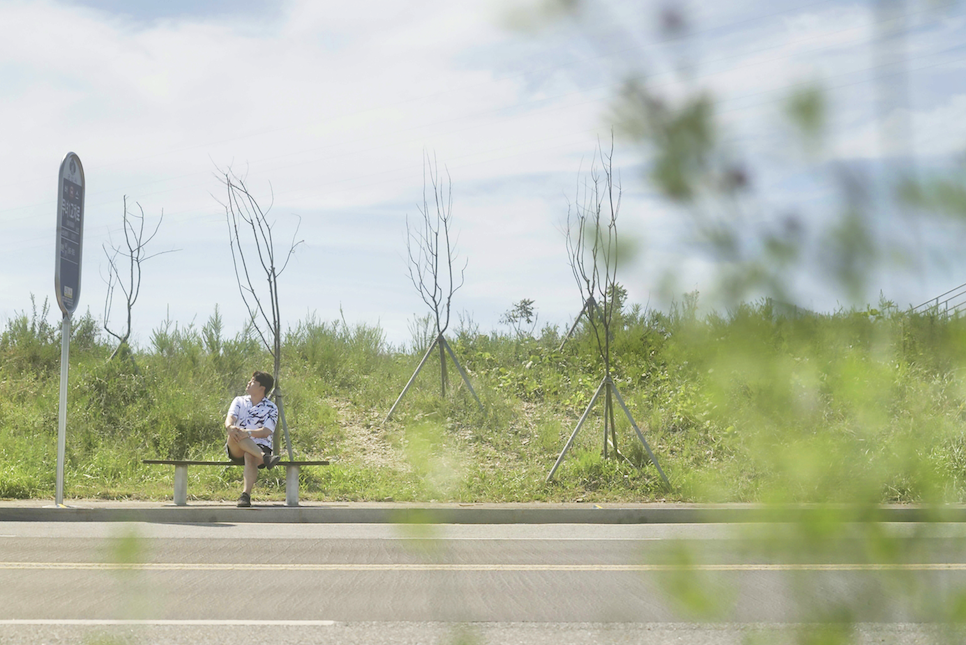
(291, 485)
(180, 485)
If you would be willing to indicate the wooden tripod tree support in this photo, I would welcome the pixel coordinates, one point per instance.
(281, 417)
(607, 384)
(589, 304)
(441, 343)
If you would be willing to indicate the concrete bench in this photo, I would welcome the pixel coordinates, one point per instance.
(181, 476)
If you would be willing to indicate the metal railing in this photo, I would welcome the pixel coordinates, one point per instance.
(946, 304)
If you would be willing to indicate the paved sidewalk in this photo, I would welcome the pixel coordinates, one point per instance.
(206, 512)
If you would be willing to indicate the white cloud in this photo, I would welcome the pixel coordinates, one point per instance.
(333, 105)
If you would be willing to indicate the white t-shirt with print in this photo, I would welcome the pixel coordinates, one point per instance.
(252, 417)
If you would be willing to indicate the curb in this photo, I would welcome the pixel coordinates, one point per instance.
(362, 513)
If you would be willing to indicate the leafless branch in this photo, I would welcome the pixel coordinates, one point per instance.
(431, 249)
(134, 250)
(252, 242)
(591, 242)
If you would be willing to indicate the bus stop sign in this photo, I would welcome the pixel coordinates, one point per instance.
(70, 233)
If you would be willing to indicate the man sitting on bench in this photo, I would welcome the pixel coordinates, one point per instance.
(251, 424)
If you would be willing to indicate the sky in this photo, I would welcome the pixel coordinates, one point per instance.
(329, 109)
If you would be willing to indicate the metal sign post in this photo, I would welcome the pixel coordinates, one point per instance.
(67, 282)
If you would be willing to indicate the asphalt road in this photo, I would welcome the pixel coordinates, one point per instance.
(115, 582)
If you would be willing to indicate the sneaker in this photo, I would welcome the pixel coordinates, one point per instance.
(244, 500)
(271, 461)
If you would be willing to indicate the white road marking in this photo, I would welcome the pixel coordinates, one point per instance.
(442, 538)
(512, 539)
(190, 566)
(180, 623)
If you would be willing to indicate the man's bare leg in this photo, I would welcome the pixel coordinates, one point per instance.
(251, 470)
(253, 455)
(238, 448)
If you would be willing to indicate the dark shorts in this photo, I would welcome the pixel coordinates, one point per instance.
(266, 452)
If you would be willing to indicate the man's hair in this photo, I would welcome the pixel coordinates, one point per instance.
(265, 380)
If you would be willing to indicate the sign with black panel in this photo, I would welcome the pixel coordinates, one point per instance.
(70, 233)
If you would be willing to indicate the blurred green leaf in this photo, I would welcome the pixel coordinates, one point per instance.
(806, 109)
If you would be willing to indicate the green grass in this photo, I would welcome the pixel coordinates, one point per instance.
(856, 406)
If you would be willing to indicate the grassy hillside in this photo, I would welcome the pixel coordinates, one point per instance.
(753, 405)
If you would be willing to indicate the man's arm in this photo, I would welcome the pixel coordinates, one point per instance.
(256, 433)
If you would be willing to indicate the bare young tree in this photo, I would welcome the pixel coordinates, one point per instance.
(431, 249)
(591, 241)
(254, 250)
(127, 275)
(592, 252)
